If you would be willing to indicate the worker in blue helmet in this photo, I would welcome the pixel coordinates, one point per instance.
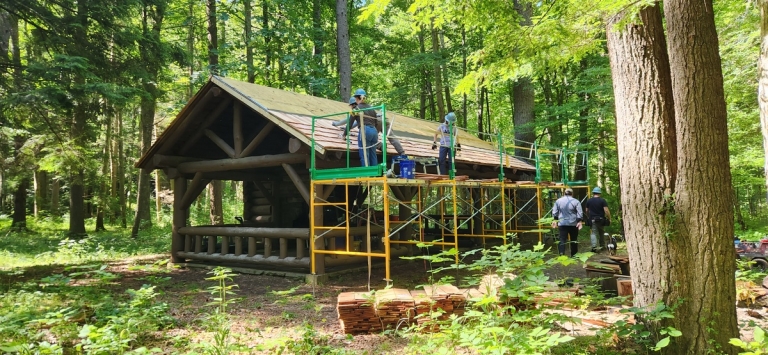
(448, 134)
(369, 136)
(597, 213)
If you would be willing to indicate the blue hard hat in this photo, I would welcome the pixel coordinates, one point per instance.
(352, 100)
(597, 190)
(450, 117)
(359, 92)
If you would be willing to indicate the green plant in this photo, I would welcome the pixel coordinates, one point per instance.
(219, 321)
(311, 343)
(647, 331)
(756, 347)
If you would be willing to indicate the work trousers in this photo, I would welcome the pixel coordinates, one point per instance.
(444, 160)
(565, 231)
(596, 235)
(371, 138)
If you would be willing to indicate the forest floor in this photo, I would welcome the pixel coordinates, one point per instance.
(269, 314)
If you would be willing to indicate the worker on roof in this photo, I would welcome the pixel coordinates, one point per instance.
(448, 135)
(368, 136)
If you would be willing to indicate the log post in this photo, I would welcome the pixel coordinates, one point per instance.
(257, 140)
(179, 218)
(224, 245)
(237, 128)
(297, 182)
(299, 248)
(211, 244)
(251, 246)
(267, 247)
(238, 246)
(283, 248)
(193, 190)
(188, 243)
(198, 244)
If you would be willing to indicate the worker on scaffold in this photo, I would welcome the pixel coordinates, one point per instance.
(447, 132)
(368, 136)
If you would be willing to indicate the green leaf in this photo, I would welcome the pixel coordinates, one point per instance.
(759, 334)
(662, 343)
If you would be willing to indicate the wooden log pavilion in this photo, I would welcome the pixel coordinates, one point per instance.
(233, 130)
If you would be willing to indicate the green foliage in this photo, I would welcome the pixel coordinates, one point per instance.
(647, 331)
(311, 343)
(756, 347)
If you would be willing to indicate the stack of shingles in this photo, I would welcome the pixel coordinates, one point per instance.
(395, 307)
(448, 298)
(357, 313)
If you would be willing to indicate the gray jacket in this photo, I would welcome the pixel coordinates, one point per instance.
(567, 211)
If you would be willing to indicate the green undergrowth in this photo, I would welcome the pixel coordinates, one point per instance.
(46, 242)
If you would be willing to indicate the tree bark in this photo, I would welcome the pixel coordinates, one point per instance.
(55, 198)
(480, 110)
(436, 59)
(672, 155)
(703, 161)
(41, 192)
(20, 205)
(318, 44)
(762, 87)
(523, 117)
(191, 47)
(251, 72)
(215, 203)
(342, 48)
(213, 38)
(463, 74)
(267, 40)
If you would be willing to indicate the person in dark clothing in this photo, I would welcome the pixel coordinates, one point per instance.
(568, 215)
(596, 210)
(369, 136)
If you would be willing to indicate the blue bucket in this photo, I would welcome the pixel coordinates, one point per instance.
(407, 169)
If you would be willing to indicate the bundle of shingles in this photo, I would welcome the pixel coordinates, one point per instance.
(395, 307)
(357, 313)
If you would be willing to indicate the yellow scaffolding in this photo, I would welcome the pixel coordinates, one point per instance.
(441, 213)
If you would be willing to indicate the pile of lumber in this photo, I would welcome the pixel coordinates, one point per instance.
(394, 306)
(357, 313)
(448, 298)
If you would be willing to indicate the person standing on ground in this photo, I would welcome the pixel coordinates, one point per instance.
(368, 136)
(445, 157)
(568, 215)
(599, 216)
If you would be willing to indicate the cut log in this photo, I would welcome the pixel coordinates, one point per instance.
(297, 146)
(261, 161)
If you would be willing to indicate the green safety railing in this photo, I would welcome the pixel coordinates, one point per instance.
(349, 172)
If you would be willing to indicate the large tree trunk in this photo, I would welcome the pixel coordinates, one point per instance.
(762, 88)
(20, 206)
(681, 253)
(342, 48)
(703, 172)
(523, 117)
(213, 61)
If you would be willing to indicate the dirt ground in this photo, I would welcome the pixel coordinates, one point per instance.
(272, 309)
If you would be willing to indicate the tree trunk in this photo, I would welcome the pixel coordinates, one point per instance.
(522, 117)
(762, 87)
(678, 248)
(214, 191)
(251, 72)
(41, 192)
(267, 40)
(436, 59)
(191, 48)
(707, 283)
(121, 190)
(213, 38)
(20, 206)
(342, 48)
(480, 102)
(463, 74)
(424, 80)
(55, 198)
(317, 40)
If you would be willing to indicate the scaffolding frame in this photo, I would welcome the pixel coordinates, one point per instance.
(437, 213)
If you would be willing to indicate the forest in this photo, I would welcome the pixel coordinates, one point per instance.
(86, 87)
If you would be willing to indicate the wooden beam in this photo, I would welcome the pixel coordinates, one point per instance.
(237, 128)
(208, 120)
(170, 161)
(303, 190)
(257, 140)
(256, 259)
(179, 220)
(220, 143)
(193, 190)
(258, 232)
(259, 161)
(179, 131)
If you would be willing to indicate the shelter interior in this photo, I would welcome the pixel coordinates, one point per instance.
(310, 207)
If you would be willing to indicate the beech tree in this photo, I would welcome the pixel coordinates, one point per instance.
(671, 119)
